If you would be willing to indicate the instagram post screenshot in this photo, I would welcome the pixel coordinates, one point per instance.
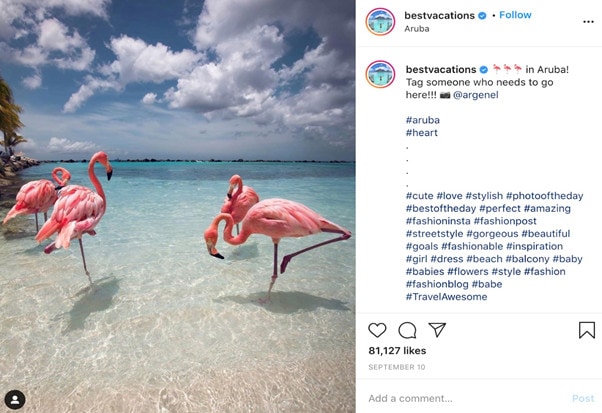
(177, 206)
(478, 272)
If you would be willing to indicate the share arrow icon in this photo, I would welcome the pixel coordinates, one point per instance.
(438, 327)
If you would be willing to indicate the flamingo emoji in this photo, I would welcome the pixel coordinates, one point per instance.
(38, 196)
(507, 68)
(496, 68)
(77, 211)
(238, 203)
(518, 68)
(276, 218)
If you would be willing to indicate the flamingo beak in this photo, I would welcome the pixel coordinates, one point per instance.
(59, 187)
(109, 174)
(230, 190)
(218, 255)
(212, 251)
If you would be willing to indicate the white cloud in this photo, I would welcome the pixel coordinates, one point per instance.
(222, 20)
(311, 97)
(55, 43)
(73, 51)
(149, 98)
(241, 79)
(87, 90)
(76, 7)
(32, 56)
(241, 63)
(18, 10)
(78, 98)
(10, 11)
(138, 61)
(81, 62)
(53, 35)
(33, 82)
(64, 145)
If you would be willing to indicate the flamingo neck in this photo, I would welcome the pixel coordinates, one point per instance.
(238, 183)
(235, 182)
(95, 180)
(60, 181)
(228, 237)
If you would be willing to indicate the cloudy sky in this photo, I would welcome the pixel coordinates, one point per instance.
(222, 79)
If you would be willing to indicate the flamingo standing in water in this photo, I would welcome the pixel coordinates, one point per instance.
(38, 196)
(238, 203)
(276, 218)
(77, 211)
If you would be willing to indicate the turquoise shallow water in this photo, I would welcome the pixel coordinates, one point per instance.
(168, 327)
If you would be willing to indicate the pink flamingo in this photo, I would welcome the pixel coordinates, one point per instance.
(77, 211)
(507, 68)
(38, 196)
(276, 218)
(517, 67)
(496, 68)
(238, 203)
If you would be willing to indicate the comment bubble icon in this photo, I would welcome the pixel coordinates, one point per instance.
(407, 330)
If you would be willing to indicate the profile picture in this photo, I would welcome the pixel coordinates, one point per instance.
(380, 21)
(380, 74)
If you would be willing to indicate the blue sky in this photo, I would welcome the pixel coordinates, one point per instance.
(182, 79)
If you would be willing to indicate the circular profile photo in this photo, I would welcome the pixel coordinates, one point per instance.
(380, 74)
(380, 21)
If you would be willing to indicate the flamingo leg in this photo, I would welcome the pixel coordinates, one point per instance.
(274, 276)
(237, 229)
(81, 248)
(37, 226)
(289, 257)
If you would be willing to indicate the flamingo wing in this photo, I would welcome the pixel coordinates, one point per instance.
(279, 218)
(240, 203)
(33, 197)
(77, 211)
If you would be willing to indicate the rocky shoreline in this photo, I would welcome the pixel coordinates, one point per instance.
(9, 178)
(10, 183)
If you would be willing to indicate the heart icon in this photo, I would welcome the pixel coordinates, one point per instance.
(377, 329)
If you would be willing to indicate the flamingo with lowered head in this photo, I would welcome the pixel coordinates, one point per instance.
(238, 203)
(77, 211)
(38, 196)
(276, 218)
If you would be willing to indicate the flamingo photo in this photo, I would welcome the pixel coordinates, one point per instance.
(238, 202)
(38, 196)
(275, 218)
(77, 211)
(213, 108)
